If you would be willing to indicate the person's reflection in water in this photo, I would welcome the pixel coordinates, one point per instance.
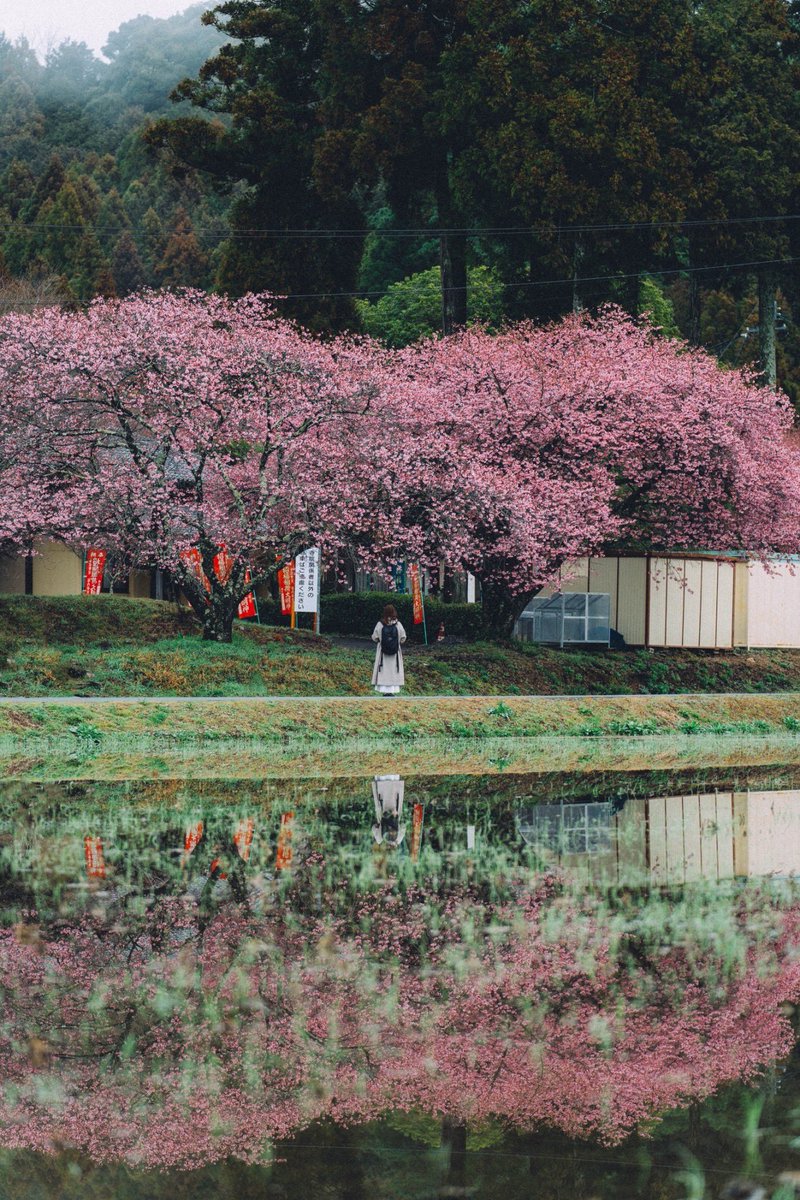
(387, 794)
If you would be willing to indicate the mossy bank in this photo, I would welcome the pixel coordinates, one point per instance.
(114, 646)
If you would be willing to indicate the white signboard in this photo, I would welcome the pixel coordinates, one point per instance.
(306, 581)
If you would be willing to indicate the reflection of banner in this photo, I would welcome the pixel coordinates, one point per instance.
(283, 855)
(95, 863)
(306, 581)
(286, 585)
(194, 561)
(93, 575)
(192, 839)
(416, 831)
(243, 838)
(416, 594)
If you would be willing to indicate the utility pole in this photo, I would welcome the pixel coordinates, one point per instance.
(767, 310)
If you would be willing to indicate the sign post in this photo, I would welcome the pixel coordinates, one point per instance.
(417, 599)
(307, 584)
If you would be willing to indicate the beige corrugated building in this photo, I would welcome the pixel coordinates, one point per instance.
(706, 601)
(55, 570)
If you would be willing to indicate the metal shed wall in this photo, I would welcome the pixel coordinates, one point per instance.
(773, 605)
(690, 602)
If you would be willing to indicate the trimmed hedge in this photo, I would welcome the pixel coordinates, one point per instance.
(354, 614)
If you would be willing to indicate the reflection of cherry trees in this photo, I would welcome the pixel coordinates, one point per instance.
(167, 1041)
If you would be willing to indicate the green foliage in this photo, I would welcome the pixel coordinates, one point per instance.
(412, 308)
(356, 613)
(658, 308)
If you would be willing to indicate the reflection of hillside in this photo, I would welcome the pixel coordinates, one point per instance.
(670, 839)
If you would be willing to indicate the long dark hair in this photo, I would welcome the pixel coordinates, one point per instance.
(389, 614)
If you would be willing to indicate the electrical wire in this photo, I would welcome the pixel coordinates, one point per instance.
(423, 231)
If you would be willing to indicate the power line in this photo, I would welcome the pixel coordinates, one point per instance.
(256, 233)
(575, 281)
(568, 280)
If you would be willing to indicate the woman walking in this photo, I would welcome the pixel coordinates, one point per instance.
(388, 674)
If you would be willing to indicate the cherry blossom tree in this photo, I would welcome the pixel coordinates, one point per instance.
(186, 432)
(518, 452)
(210, 438)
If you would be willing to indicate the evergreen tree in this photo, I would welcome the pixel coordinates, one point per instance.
(112, 219)
(21, 121)
(91, 269)
(16, 186)
(47, 187)
(153, 241)
(126, 265)
(60, 231)
(276, 79)
(184, 262)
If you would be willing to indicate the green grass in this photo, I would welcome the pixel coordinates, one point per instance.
(114, 646)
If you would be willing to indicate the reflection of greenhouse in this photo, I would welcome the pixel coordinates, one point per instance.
(670, 839)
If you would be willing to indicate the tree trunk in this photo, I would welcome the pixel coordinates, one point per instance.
(694, 302)
(767, 303)
(217, 623)
(501, 609)
(453, 264)
(577, 266)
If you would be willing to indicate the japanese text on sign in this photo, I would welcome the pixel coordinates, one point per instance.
(95, 568)
(306, 581)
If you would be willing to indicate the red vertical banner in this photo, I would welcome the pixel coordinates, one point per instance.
(283, 855)
(192, 839)
(416, 593)
(223, 565)
(243, 838)
(286, 585)
(94, 571)
(93, 853)
(194, 560)
(417, 818)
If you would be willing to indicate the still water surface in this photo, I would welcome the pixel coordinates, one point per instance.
(577, 986)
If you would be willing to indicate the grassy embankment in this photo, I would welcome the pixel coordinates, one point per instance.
(112, 646)
(117, 647)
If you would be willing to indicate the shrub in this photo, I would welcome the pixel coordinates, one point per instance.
(355, 614)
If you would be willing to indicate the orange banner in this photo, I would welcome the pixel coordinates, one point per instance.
(243, 838)
(95, 863)
(416, 831)
(283, 855)
(416, 593)
(93, 574)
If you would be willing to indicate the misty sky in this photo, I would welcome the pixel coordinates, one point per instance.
(45, 22)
